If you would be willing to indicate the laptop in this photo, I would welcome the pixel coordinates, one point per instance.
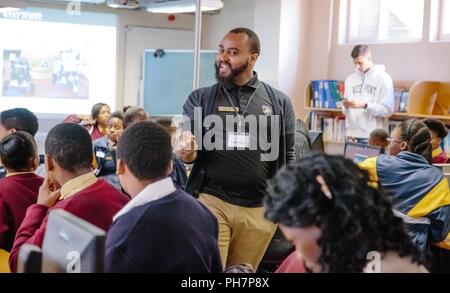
(358, 152)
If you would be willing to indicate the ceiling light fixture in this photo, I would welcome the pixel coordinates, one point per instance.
(128, 4)
(11, 6)
(183, 6)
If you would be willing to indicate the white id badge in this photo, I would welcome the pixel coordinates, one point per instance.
(238, 140)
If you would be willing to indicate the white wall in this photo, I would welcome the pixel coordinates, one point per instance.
(263, 17)
(292, 50)
(235, 13)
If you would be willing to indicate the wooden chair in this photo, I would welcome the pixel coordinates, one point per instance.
(422, 97)
(4, 265)
(442, 105)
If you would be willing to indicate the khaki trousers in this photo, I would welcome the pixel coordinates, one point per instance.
(244, 233)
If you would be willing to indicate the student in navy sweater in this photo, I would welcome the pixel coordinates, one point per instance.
(70, 185)
(162, 229)
(19, 189)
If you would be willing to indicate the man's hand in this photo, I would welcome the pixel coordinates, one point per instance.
(186, 147)
(354, 104)
(49, 193)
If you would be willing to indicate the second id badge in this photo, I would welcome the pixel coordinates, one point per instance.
(239, 140)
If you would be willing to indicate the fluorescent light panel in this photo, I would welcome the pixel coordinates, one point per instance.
(83, 1)
(183, 6)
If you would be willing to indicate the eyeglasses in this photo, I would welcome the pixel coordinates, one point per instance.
(390, 140)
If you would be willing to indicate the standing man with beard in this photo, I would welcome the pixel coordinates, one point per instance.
(230, 179)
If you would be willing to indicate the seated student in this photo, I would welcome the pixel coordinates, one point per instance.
(18, 119)
(336, 224)
(19, 189)
(135, 114)
(96, 124)
(105, 150)
(438, 133)
(70, 185)
(378, 138)
(100, 114)
(421, 195)
(162, 229)
(178, 175)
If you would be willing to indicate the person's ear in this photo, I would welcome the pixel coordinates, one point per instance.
(35, 162)
(404, 146)
(120, 169)
(12, 130)
(170, 169)
(49, 163)
(253, 58)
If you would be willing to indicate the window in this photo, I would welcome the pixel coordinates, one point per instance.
(385, 20)
(445, 20)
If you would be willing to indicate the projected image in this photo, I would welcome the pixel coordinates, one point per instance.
(53, 74)
(54, 64)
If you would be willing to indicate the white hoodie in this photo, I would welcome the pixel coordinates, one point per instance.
(374, 87)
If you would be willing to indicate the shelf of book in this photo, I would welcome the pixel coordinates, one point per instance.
(398, 116)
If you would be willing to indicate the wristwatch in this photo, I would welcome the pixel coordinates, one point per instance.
(365, 106)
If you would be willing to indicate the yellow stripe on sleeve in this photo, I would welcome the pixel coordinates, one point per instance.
(439, 196)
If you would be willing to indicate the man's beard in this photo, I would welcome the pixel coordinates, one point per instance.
(235, 72)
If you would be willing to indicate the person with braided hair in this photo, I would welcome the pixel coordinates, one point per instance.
(337, 222)
(420, 191)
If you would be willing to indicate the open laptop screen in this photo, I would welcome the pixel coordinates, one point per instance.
(359, 152)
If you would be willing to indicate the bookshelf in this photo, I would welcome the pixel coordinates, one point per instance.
(336, 118)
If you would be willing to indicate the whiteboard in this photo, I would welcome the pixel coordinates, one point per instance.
(168, 79)
(137, 40)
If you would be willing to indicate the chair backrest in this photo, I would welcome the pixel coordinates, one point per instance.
(422, 97)
(4, 264)
(71, 245)
(442, 105)
(30, 259)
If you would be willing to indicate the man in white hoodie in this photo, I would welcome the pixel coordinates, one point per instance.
(369, 96)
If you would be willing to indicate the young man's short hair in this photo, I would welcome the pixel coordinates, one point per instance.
(253, 39)
(70, 146)
(360, 50)
(146, 149)
(20, 119)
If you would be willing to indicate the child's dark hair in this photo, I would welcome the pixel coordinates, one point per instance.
(379, 134)
(354, 218)
(417, 135)
(17, 150)
(134, 114)
(165, 122)
(119, 115)
(146, 149)
(70, 146)
(436, 126)
(20, 119)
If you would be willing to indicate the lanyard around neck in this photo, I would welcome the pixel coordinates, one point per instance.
(240, 117)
